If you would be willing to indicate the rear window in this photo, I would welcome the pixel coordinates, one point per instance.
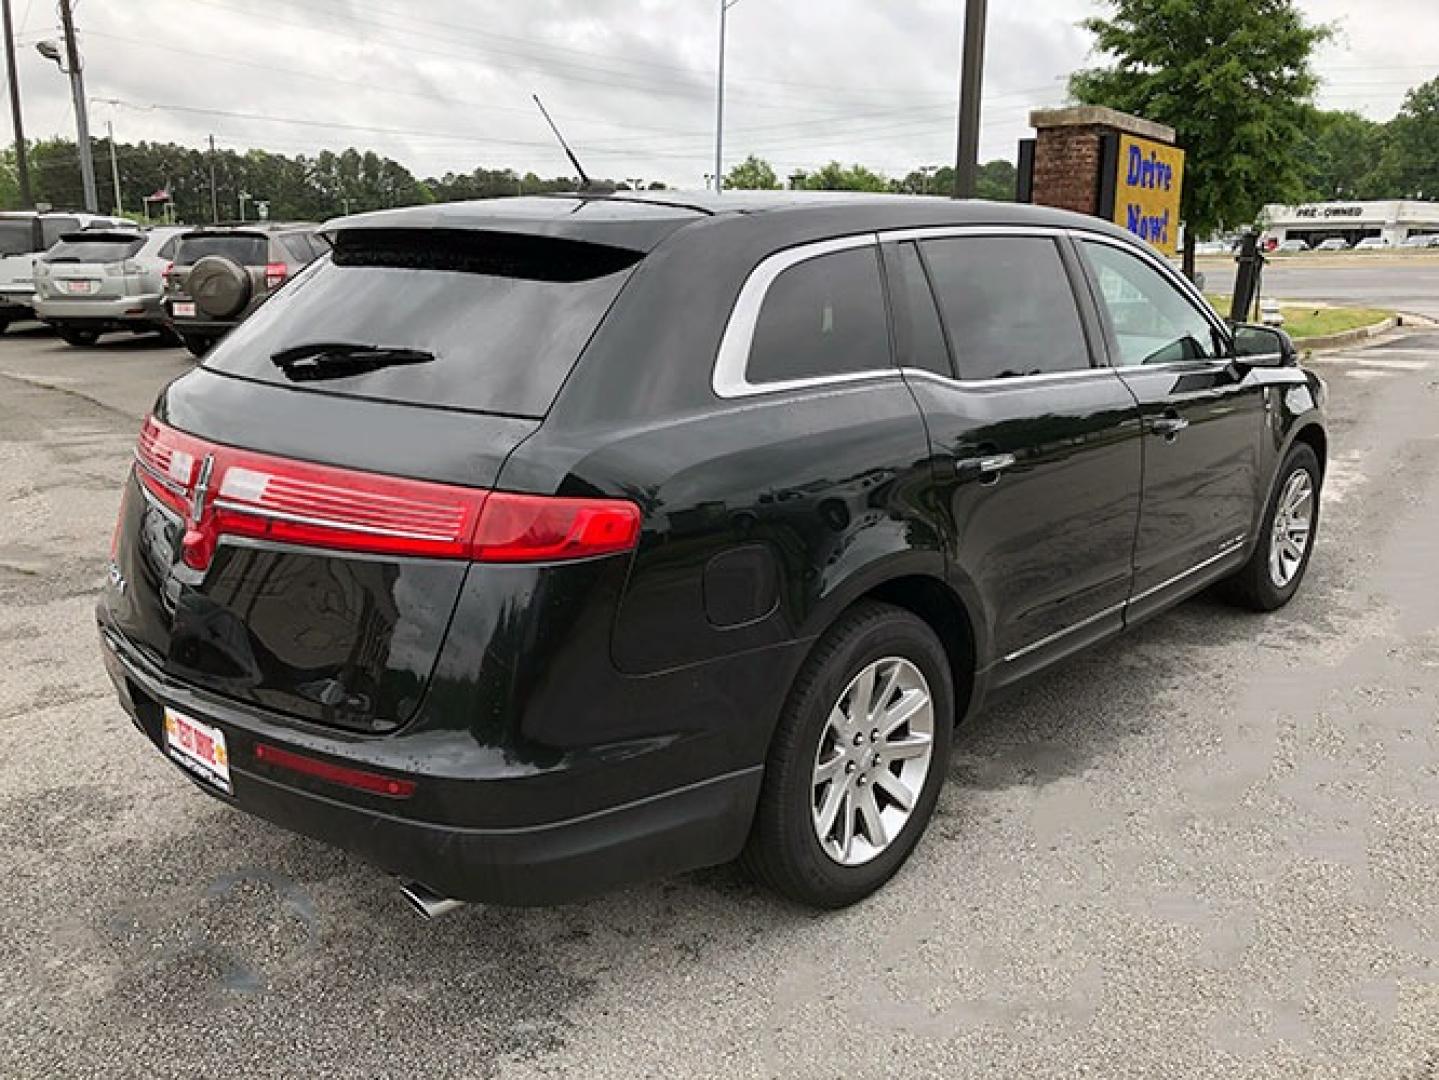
(247, 250)
(504, 317)
(94, 249)
(17, 236)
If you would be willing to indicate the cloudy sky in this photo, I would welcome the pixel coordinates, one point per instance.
(444, 85)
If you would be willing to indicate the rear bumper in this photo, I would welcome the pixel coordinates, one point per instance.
(115, 313)
(570, 858)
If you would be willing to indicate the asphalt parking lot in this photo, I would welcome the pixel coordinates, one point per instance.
(1210, 849)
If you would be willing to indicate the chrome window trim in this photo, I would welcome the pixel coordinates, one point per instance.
(1021, 381)
(731, 377)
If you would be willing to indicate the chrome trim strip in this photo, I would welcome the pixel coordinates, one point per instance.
(730, 379)
(1051, 638)
(344, 526)
(1017, 380)
(1229, 549)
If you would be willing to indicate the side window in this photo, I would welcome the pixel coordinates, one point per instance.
(167, 250)
(824, 316)
(1154, 323)
(1007, 305)
(319, 245)
(297, 247)
(918, 336)
(51, 229)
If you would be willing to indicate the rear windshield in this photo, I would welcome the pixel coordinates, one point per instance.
(17, 236)
(94, 249)
(504, 317)
(247, 250)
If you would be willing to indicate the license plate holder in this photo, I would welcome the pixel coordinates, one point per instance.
(199, 748)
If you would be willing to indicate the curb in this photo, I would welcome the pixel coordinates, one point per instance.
(1346, 337)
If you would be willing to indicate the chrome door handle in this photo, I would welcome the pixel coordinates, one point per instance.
(986, 469)
(1168, 426)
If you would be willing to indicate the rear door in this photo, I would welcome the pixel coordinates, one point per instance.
(1203, 419)
(1037, 446)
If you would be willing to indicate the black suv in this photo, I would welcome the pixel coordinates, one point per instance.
(221, 274)
(528, 548)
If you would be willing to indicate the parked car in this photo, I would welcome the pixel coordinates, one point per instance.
(97, 281)
(1334, 243)
(1292, 246)
(222, 274)
(1373, 243)
(1420, 241)
(527, 548)
(24, 234)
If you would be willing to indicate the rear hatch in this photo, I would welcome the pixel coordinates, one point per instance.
(305, 506)
(247, 249)
(90, 266)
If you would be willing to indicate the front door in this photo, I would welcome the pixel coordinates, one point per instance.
(1037, 450)
(1203, 421)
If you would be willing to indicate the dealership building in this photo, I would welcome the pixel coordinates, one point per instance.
(1396, 220)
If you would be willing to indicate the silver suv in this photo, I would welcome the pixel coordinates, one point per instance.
(223, 273)
(24, 234)
(93, 282)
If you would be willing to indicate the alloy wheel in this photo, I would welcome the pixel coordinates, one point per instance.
(1293, 524)
(873, 759)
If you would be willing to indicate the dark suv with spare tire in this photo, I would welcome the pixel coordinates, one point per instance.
(528, 548)
(222, 274)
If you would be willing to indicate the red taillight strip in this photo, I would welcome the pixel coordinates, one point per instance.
(249, 494)
(361, 779)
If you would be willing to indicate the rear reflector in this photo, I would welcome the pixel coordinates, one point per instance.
(220, 491)
(359, 779)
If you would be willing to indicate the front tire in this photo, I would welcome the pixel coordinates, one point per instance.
(198, 344)
(857, 761)
(82, 338)
(1280, 558)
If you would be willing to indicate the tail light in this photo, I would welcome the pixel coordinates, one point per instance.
(167, 273)
(221, 491)
(275, 274)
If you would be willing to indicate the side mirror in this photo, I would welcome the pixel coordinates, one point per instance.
(1263, 346)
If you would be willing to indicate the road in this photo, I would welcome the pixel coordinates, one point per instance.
(1404, 283)
(1210, 849)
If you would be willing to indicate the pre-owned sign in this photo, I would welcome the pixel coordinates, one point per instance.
(1140, 188)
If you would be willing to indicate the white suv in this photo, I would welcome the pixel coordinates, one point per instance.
(24, 234)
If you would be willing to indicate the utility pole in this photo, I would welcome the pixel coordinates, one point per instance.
(114, 168)
(214, 191)
(725, 5)
(22, 154)
(82, 119)
(971, 82)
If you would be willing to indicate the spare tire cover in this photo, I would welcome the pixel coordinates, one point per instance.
(219, 286)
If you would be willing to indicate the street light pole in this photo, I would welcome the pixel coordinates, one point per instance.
(82, 119)
(114, 168)
(725, 5)
(971, 82)
(22, 156)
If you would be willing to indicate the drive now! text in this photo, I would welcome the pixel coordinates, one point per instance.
(1151, 227)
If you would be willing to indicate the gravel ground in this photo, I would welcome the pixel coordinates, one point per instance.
(1208, 849)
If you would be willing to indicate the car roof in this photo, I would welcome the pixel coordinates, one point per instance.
(640, 220)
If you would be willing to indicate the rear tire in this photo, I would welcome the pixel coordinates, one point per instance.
(4, 325)
(82, 338)
(822, 751)
(198, 344)
(1273, 573)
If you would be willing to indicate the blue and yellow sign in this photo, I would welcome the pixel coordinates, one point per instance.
(1149, 177)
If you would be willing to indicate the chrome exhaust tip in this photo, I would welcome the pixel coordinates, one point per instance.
(429, 904)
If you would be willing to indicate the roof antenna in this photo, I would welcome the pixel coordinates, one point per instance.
(584, 179)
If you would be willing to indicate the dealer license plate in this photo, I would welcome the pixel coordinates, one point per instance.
(199, 748)
(80, 288)
(183, 310)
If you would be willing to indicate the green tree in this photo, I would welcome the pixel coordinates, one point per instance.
(837, 177)
(1232, 77)
(1343, 157)
(1412, 158)
(752, 174)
